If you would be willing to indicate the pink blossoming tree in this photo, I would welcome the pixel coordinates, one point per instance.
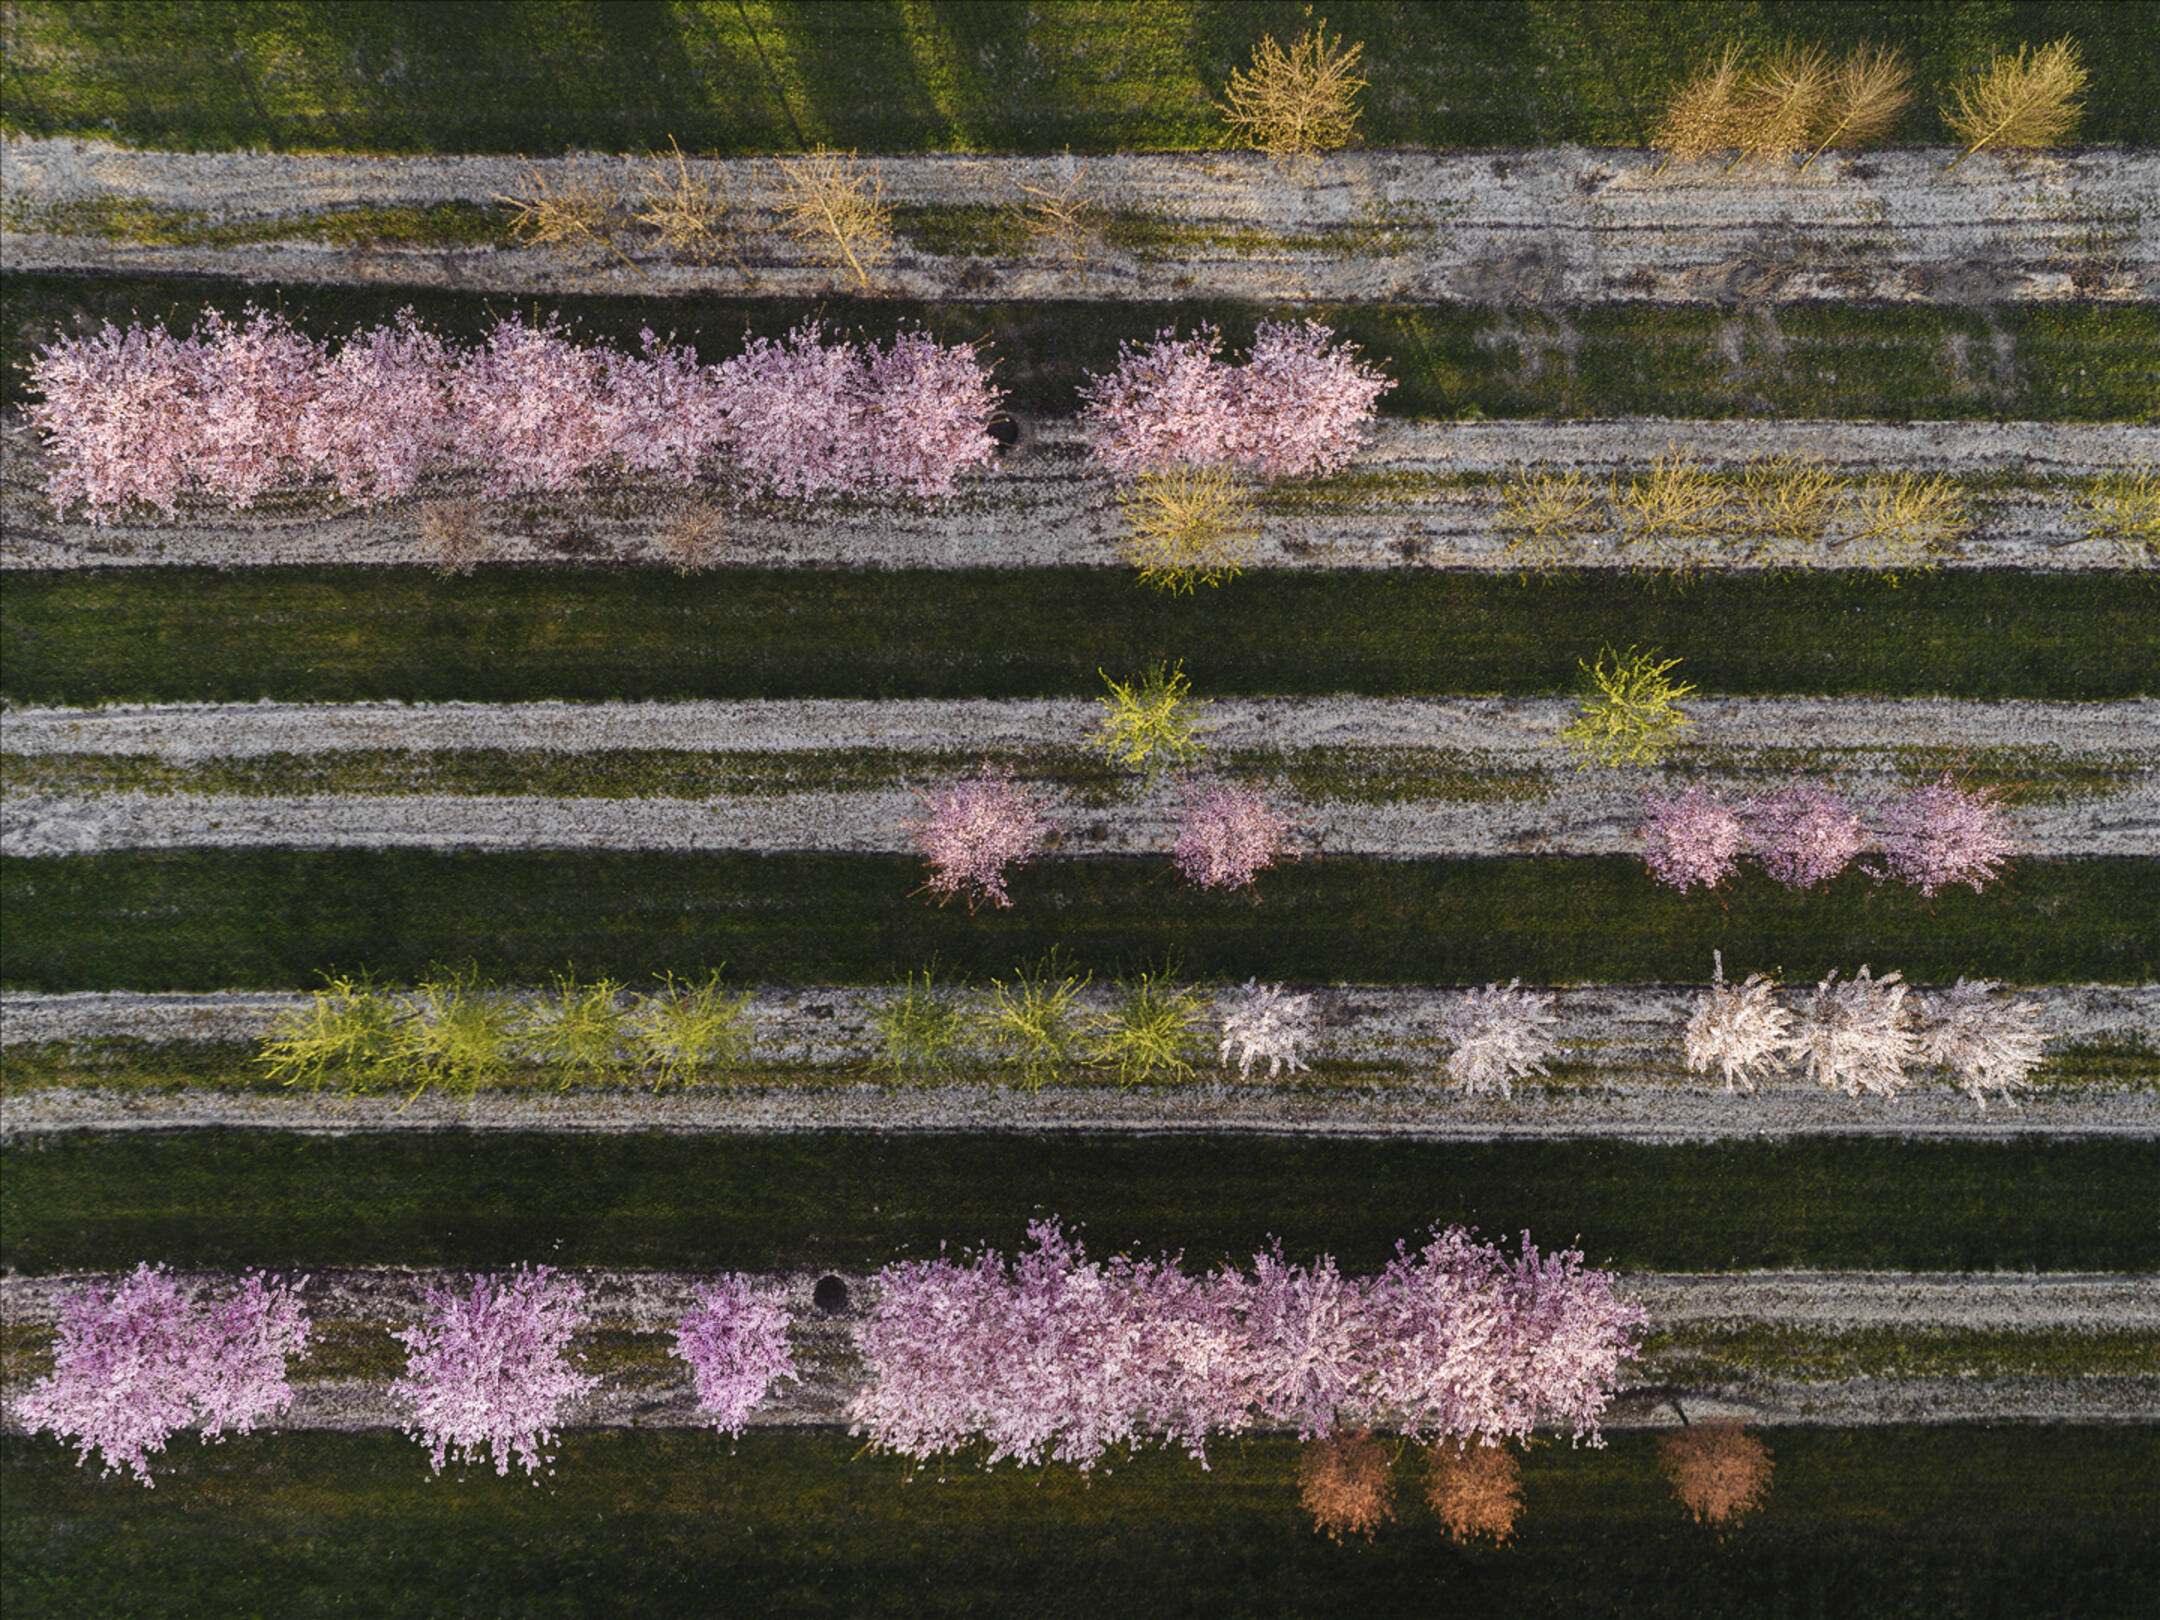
(1303, 401)
(737, 1346)
(1943, 834)
(488, 1370)
(1804, 834)
(1228, 835)
(1695, 837)
(976, 827)
(135, 1364)
(380, 412)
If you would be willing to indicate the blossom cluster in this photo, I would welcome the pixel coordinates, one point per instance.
(238, 407)
(736, 1345)
(1055, 1357)
(135, 1364)
(1295, 407)
(1804, 834)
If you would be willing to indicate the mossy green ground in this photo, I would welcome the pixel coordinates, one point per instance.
(2062, 362)
(219, 1198)
(520, 634)
(2031, 1521)
(973, 75)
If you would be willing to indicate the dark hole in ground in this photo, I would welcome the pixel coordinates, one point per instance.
(830, 1294)
(1006, 431)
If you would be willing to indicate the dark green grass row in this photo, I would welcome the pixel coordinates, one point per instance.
(1950, 1522)
(277, 919)
(977, 75)
(216, 1198)
(521, 634)
(2066, 362)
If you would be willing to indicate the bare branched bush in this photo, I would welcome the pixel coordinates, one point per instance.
(571, 217)
(2026, 100)
(1870, 89)
(1543, 514)
(1986, 1044)
(1475, 1489)
(1857, 1036)
(689, 213)
(1904, 520)
(1500, 1036)
(1789, 503)
(1300, 103)
(2125, 507)
(1630, 712)
(1781, 105)
(1704, 116)
(692, 536)
(1718, 1470)
(1343, 1482)
(1737, 1028)
(1668, 512)
(1062, 213)
(1187, 526)
(451, 536)
(835, 208)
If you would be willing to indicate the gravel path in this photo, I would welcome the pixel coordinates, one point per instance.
(825, 1349)
(1560, 225)
(1043, 506)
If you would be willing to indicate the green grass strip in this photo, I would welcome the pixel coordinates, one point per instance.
(2065, 362)
(963, 76)
(222, 1198)
(271, 919)
(520, 634)
(1698, 1354)
(1947, 1521)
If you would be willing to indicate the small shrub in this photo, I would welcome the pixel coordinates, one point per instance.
(976, 828)
(1062, 213)
(570, 217)
(1260, 1021)
(1789, 502)
(1943, 834)
(578, 1029)
(1153, 1032)
(1667, 512)
(1857, 1036)
(692, 536)
(1297, 104)
(1986, 1044)
(458, 1030)
(2025, 100)
(1344, 1484)
(835, 208)
(347, 1030)
(1475, 1489)
(1543, 514)
(1694, 838)
(1737, 1028)
(1804, 834)
(921, 1031)
(690, 1028)
(1718, 1470)
(2125, 507)
(1904, 520)
(1500, 1036)
(1630, 712)
(736, 1344)
(1034, 1021)
(1187, 526)
(1868, 92)
(1228, 836)
(688, 213)
(451, 537)
(1149, 723)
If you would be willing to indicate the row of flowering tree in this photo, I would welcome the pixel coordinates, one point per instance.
(1053, 1356)
(1805, 833)
(237, 407)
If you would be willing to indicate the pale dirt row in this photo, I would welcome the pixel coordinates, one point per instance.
(1561, 225)
(1574, 819)
(827, 1357)
(1488, 734)
(1044, 506)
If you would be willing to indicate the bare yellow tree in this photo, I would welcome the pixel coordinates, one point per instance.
(1476, 1489)
(1704, 115)
(1300, 103)
(568, 216)
(1870, 89)
(836, 209)
(1063, 213)
(688, 213)
(1718, 1470)
(1187, 526)
(1543, 514)
(2027, 100)
(1343, 1482)
(1781, 105)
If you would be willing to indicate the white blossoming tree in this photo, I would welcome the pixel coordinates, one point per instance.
(1858, 1036)
(1737, 1029)
(1262, 1022)
(1985, 1043)
(1500, 1036)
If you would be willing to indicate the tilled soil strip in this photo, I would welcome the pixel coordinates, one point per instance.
(1558, 225)
(1044, 506)
(1563, 813)
(826, 1353)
